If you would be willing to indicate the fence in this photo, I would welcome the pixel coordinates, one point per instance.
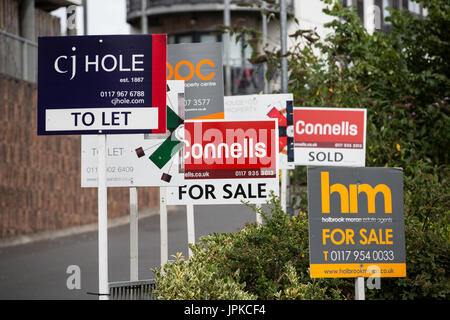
(132, 290)
(18, 56)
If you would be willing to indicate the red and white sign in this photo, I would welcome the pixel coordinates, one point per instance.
(228, 161)
(330, 136)
(229, 149)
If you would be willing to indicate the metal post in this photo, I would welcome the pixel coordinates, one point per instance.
(144, 21)
(190, 225)
(134, 235)
(226, 47)
(285, 177)
(283, 192)
(25, 60)
(27, 19)
(264, 43)
(163, 225)
(85, 18)
(283, 37)
(359, 289)
(102, 220)
(27, 27)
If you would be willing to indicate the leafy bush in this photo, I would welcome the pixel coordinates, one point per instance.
(427, 232)
(271, 261)
(196, 279)
(402, 78)
(268, 261)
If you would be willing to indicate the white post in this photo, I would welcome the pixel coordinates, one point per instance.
(226, 47)
(163, 225)
(258, 215)
(102, 221)
(190, 225)
(372, 16)
(359, 289)
(283, 192)
(134, 235)
(85, 18)
(144, 20)
(284, 89)
(283, 43)
(264, 43)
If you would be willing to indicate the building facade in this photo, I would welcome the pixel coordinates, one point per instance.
(190, 21)
(40, 176)
(200, 21)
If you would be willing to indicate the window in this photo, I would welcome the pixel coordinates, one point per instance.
(187, 38)
(238, 54)
(386, 12)
(347, 3)
(208, 38)
(360, 9)
(414, 7)
(194, 37)
(245, 77)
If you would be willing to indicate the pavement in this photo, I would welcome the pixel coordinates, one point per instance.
(36, 267)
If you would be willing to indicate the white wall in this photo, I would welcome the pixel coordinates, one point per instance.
(309, 15)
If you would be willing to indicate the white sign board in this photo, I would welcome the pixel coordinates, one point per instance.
(129, 157)
(263, 107)
(330, 136)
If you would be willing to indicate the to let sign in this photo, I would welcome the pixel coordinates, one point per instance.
(330, 136)
(102, 84)
(356, 225)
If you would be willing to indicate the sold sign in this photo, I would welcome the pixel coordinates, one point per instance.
(230, 149)
(330, 136)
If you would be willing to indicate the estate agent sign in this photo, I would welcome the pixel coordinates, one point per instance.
(102, 84)
(356, 225)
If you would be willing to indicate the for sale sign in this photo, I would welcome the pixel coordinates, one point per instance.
(227, 162)
(356, 225)
(330, 136)
(229, 150)
(102, 84)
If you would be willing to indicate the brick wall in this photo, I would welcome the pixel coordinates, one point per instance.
(40, 175)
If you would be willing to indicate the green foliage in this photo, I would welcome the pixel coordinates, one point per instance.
(427, 233)
(268, 261)
(402, 78)
(196, 279)
(295, 289)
